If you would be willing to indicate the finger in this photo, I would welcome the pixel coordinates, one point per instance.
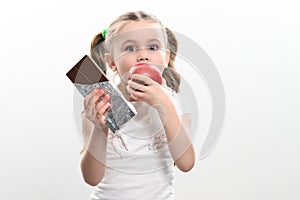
(142, 78)
(98, 93)
(101, 119)
(106, 98)
(132, 97)
(136, 86)
(137, 95)
(99, 104)
(90, 98)
(129, 89)
(103, 110)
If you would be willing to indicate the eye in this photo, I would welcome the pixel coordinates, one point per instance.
(131, 48)
(153, 47)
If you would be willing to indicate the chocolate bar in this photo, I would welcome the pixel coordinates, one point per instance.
(86, 75)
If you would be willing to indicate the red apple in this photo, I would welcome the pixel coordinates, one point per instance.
(148, 70)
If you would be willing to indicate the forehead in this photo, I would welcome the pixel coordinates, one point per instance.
(135, 25)
(140, 31)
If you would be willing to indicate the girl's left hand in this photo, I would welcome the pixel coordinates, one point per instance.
(150, 92)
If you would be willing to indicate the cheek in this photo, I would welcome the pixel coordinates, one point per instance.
(126, 62)
(160, 59)
(123, 68)
(165, 57)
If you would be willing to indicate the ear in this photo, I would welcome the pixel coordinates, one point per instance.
(108, 58)
(167, 58)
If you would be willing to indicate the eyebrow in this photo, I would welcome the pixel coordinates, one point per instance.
(135, 41)
(154, 40)
(128, 41)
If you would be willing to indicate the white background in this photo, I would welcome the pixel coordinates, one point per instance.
(254, 45)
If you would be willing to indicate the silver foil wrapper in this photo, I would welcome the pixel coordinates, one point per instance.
(121, 110)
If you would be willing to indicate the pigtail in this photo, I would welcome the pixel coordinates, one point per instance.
(172, 78)
(98, 50)
(170, 74)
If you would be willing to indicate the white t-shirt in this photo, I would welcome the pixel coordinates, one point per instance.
(139, 164)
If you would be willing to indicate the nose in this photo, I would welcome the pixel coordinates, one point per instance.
(143, 55)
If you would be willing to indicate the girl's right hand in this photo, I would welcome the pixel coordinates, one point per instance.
(96, 109)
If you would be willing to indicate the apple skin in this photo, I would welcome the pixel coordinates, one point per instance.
(148, 70)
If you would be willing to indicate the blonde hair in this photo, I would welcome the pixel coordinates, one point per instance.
(100, 45)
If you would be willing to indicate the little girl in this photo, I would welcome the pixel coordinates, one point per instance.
(136, 162)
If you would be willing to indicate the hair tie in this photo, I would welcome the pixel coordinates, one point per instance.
(104, 33)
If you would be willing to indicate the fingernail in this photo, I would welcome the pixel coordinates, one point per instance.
(107, 96)
(101, 90)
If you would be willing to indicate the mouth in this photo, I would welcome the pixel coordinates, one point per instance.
(142, 63)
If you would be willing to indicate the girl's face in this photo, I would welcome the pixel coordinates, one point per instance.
(138, 42)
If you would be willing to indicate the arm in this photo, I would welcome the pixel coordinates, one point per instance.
(93, 154)
(180, 145)
(95, 134)
(176, 129)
